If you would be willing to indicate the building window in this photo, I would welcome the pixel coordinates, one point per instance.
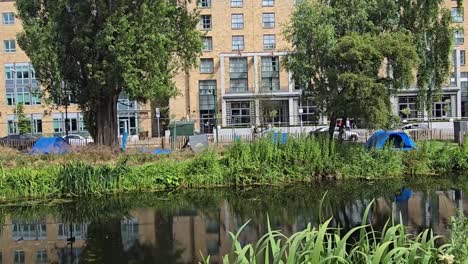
(24, 97)
(8, 18)
(270, 74)
(207, 91)
(464, 80)
(37, 126)
(310, 114)
(453, 79)
(268, 20)
(205, 22)
(237, 42)
(459, 36)
(129, 229)
(29, 231)
(407, 107)
(238, 75)
(24, 73)
(75, 123)
(240, 113)
(206, 66)
(19, 257)
(268, 2)
(9, 46)
(237, 21)
(207, 44)
(457, 15)
(442, 108)
(237, 3)
(205, 3)
(79, 231)
(41, 257)
(12, 127)
(269, 42)
(462, 57)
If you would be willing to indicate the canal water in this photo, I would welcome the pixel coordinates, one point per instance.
(178, 226)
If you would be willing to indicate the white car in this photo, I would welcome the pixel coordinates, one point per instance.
(416, 126)
(77, 140)
(348, 135)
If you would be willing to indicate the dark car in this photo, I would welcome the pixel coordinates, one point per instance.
(20, 142)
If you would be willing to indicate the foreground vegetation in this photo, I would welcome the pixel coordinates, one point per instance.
(362, 244)
(242, 164)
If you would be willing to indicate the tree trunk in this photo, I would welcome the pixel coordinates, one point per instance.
(106, 127)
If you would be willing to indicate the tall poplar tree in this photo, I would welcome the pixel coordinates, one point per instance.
(97, 49)
(352, 55)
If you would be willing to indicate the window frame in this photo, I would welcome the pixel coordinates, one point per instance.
(268, 24)
(237, 5)
(239, 37)
(11, 19)
(269, 44)
(204, 69)
(208, 19)
(235, 24)
(7, 46)
(268, 3)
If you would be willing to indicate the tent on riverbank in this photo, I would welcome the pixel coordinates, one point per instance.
(395, 139)
(51, 145)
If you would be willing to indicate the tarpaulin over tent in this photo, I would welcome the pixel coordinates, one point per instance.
(396, 139)
(51, 145)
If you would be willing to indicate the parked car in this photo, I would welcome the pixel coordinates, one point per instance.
(348, 135)
(18, 141)
(415, 126)
(77, 140)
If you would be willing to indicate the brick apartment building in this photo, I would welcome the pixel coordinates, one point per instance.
(240, 79)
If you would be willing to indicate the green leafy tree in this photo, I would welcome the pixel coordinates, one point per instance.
(24, 124)
(97, 49)
(351, 55)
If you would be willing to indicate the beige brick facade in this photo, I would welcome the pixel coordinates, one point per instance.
(245, 105)
(187, 104)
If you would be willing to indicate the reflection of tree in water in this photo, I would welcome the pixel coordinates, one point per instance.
(108, 243)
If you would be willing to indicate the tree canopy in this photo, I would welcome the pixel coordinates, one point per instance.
(351, 55)
(97, 49)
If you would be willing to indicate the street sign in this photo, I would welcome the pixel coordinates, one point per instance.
(158, 113)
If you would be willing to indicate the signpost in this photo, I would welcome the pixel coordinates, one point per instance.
(301, 111)
(158, 115)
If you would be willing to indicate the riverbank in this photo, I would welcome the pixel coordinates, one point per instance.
(242, 164)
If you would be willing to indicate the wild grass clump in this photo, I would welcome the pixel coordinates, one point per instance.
(78, 178)
(27, 182)
(264, 161)
(154, 176)
(324, 244)
(204, 170)
(359, 162)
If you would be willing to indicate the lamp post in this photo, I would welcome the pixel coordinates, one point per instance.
(301, 111)
(66, 102)
(15, 91)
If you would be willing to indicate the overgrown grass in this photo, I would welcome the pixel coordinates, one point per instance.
(362, 244)
(263, 162)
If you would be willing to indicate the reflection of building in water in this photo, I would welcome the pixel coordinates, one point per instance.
(184, 236)
(422, 210)
(40, 241)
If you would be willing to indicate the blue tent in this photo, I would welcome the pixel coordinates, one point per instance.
(396, 139)
(51, 145)
(404, 196)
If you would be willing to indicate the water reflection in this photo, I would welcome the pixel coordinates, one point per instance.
(178, 230)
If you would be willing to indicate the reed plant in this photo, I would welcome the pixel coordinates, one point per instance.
(324, 244)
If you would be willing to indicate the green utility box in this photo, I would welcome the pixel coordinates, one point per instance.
(182, 128)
